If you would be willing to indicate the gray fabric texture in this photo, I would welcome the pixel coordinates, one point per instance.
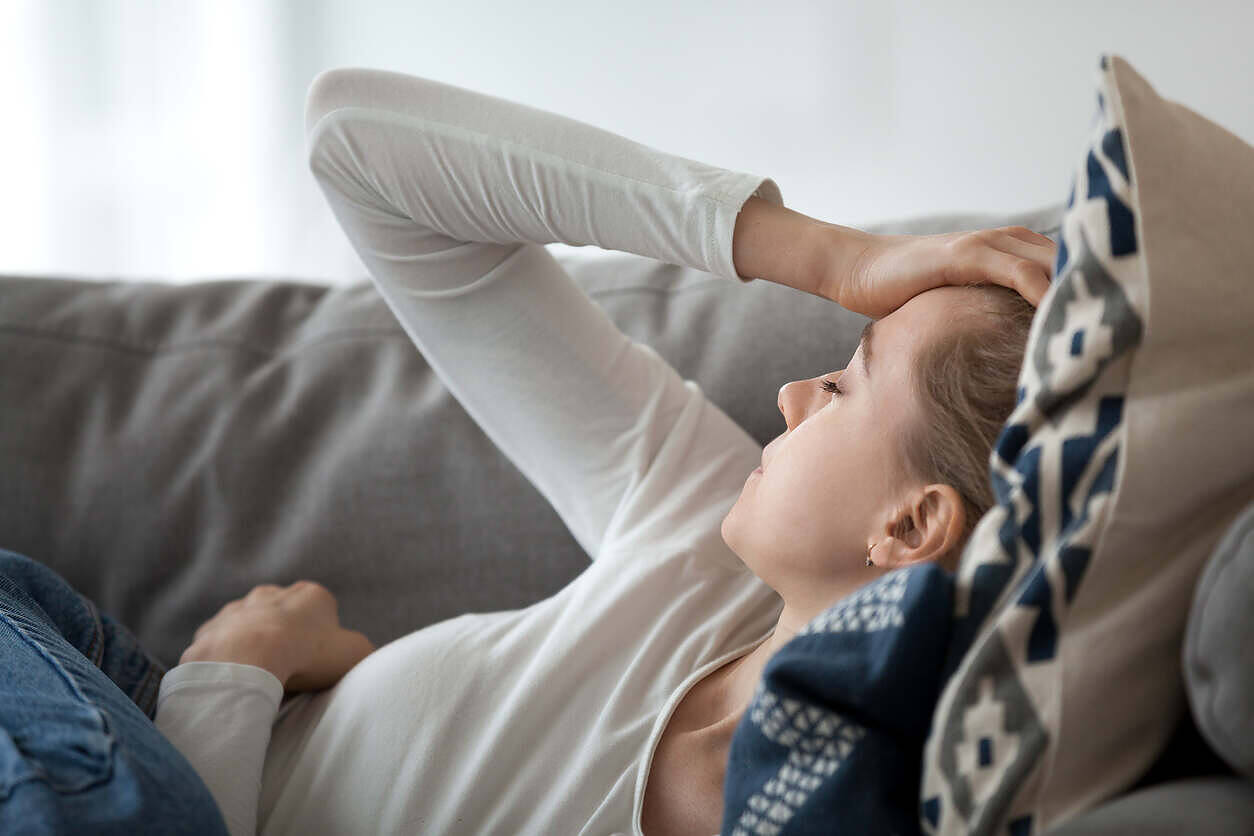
(1210, 806)
(1218, 674)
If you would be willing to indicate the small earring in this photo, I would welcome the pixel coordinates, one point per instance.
(868, 556)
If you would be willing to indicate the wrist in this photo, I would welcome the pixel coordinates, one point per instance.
(254, 653)
(778, 244)
(837, 258)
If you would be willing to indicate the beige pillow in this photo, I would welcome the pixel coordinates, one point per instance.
(1130, 452)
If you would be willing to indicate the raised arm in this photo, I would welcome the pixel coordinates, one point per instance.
(448, 195)
(470, 167)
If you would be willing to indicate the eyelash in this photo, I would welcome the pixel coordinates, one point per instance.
(832, 387)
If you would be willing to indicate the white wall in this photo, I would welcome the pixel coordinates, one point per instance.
(164, 139)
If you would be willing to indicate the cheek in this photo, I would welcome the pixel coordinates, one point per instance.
(795, 502)
(838, 476)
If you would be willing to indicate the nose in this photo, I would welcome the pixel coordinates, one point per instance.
(798, 398)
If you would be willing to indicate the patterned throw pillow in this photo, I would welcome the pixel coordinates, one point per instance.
(1128, 455)
(831, 741)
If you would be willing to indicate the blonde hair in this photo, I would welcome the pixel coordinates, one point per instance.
(967, 381)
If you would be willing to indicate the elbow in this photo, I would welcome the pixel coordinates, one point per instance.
(331, 90)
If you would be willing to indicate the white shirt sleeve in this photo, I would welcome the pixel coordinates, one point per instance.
(448, 195)
(219, 716)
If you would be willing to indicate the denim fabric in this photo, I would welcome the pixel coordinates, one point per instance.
(78, 749)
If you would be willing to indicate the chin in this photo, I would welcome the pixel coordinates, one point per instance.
(728, 530)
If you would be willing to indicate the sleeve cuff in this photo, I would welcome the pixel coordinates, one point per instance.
(722, 221)
(190, 674)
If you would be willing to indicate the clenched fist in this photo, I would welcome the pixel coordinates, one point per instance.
(292, 631)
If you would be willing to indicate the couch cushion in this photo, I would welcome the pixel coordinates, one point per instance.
(1218, 672)
(1127, 456)
(1211, 806)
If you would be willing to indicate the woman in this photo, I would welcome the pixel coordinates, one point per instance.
(607, 708)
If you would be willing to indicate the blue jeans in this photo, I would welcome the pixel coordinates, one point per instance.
(78, 749)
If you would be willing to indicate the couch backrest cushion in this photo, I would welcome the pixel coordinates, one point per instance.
(1128, 455)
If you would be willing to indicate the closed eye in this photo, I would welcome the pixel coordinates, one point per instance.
(829, 386)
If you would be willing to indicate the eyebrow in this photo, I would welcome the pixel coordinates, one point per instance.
(865, 342)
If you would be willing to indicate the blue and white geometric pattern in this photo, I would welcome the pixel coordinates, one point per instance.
(817, 741)
(835, 731)
(873, 607)
(1054, 470)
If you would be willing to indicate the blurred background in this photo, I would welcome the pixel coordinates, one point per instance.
(164, 139)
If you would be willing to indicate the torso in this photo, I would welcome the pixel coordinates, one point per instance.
(684, 791)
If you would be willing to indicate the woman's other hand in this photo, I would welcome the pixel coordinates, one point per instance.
(890, 269)
(294, 632)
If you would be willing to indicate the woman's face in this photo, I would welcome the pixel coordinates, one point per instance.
(832, 483)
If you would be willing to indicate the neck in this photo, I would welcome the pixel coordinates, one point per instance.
(738, 680)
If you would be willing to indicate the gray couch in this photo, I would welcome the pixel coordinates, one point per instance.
(168, 447)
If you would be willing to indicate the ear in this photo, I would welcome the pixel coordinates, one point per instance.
(927, 529)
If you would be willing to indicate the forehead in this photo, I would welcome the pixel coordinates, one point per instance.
(900, 334)
(925, 313)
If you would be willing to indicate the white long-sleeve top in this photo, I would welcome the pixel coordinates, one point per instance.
(544, 719)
